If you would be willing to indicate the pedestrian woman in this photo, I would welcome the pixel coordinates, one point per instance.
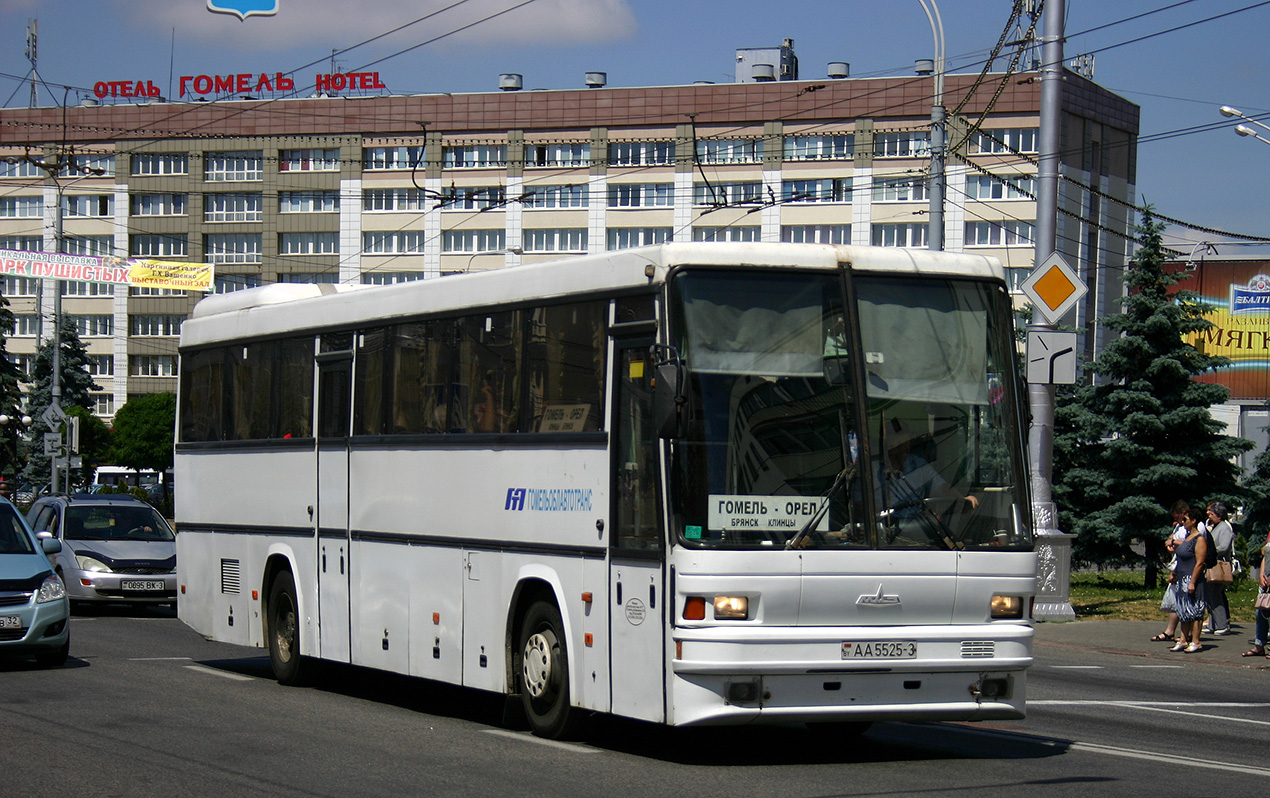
(1263, 615)
(1215, 592)
(1187, 581)
(1177, 535)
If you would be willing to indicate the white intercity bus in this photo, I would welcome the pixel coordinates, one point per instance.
(695, 483)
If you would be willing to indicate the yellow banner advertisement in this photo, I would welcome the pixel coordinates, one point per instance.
(175, 275)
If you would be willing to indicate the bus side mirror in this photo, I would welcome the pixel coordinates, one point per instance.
(667, 401)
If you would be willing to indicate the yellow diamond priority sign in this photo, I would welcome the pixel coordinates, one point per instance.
(1054, 288)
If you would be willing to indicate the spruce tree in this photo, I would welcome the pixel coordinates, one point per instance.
(1140, 436)
(10, 399)
(77, 386)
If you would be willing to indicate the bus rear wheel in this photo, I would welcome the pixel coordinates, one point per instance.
(544, 672)
(284, 630)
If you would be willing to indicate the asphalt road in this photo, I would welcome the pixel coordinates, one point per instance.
(147, 707)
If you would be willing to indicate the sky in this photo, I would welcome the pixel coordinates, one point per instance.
(1179, 61)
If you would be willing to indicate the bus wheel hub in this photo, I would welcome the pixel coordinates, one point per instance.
(537, 664)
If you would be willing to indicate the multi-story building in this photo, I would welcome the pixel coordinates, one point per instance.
(380, 189)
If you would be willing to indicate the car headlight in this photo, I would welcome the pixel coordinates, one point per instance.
(87, 563)
(1007, 607)
(51, 590)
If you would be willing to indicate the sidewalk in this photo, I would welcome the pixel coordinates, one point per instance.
(1133, 638)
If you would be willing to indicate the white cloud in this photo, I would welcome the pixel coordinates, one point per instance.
(338, 23)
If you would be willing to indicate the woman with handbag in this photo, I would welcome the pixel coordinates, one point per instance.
(1214, 589)
(1262, 610)
(1187, 582)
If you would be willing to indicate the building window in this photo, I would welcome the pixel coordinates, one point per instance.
(816, 233)
(902, 144)
(101, 365)
(641, 195)
(1000, 187)
(228, 283)
(156, 325)
(716, 194)
(158, 204)
(1005, 141)
(19, 286)
(93, 325)
(819, 148)
(732, 233)
(89, 245)
(828, 189)
(316, 160)
(900, 234)
(26, 324)
(23, 243)
(557, 197)
(103, 404)
(641, 153)
(392, 157)
(473, 241)
(394, 199)
(1009, 233)
(157, 246)
(81, 288)
(308, 201)
(473, 198)
(309, 243)
(229, 248)
(17, 166)
(567, 239)
(390, 278)
(730, 151)
(152, 365)
(578, 154)
(910, 188)
(232, 167)
(396, 242)
(474, 156)
(626, 237)
(22, 207)
(89, 165)
(232, 208)
(160, 163)
(146, 290)
(89, 205)
(309, 278)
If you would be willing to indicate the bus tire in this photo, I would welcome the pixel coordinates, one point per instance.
(284, 630)
(543, 672)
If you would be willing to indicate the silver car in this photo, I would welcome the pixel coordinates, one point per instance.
(115, 548)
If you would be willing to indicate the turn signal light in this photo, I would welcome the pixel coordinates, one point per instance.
(695, 608)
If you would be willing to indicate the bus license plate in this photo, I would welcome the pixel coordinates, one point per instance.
(10, 622)
(880, 649)
(141, 584)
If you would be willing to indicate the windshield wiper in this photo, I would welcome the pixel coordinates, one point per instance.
(838, 481)
(934, 526)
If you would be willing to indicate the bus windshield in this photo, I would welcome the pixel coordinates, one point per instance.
(800, 430)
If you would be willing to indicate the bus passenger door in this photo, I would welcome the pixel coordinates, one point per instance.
(637, 599)
(335, 380)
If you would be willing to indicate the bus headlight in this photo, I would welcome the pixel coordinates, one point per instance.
(731, 608)
(1007, 607)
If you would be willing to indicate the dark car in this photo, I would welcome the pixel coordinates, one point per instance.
(115, 548)
(33, 607)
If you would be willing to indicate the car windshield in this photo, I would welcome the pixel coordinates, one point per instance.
(115, 522)
(14, 538)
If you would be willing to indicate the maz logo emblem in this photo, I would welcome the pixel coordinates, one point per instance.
(878, 599)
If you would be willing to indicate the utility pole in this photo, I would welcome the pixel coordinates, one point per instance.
(1053, 547)
(935, 219)
(32, 53)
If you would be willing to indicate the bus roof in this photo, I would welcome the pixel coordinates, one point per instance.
(282, 308)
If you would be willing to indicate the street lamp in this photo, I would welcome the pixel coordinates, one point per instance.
(935, 229)
(1244, 130)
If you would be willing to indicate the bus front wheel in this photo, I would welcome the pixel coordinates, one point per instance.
(284, 630)
(544, 671)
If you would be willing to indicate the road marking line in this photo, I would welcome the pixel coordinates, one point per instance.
(238, 677)
(1059, 702)
(1077, 667)
(1170, 759)
(1175, 667)
(159, 659)
(530, 738)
